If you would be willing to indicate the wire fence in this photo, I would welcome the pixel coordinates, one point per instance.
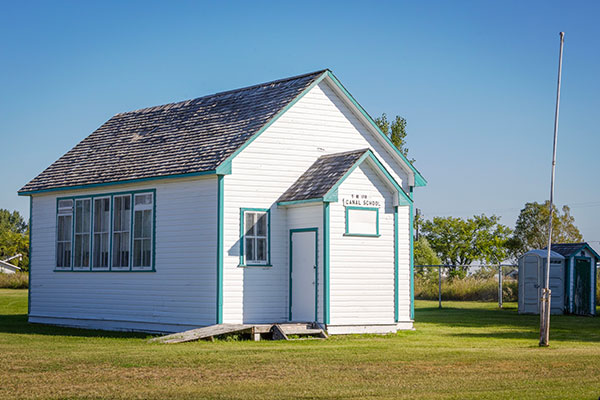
(441, 274)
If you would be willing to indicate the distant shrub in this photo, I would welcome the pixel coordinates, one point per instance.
(466, 289)
(19, 280)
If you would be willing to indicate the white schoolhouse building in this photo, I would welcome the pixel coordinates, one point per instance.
(272, 203)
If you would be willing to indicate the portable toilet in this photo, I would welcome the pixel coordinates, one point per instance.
(580, 277)
(532, 267)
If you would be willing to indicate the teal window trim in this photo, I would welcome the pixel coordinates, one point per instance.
(112, 195)
(348, 233)
(242, 238)
(300, 230)
(326, 261)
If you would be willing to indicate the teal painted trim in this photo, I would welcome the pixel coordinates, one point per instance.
(403, 198)
(376, 209)
(30, 254)
(112, 195)
(275, 118)
(127, 181)
(412, 260)
(242, 234)
(326, 265)
(294, 202)
(396, 253)
(225, 168)
(331, 196)
(220, 245)
(419, 179)
(292, 231)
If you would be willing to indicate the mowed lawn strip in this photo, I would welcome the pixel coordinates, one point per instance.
(466, 350)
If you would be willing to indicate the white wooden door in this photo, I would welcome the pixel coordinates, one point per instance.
(303, 271)
(531, 285)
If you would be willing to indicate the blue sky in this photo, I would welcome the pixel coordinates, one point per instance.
(475, 80)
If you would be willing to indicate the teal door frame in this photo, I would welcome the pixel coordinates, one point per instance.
(300, 230)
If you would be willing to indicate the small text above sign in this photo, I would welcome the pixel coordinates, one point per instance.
(361, 200)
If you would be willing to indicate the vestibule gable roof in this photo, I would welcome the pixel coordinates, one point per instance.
(322, 179)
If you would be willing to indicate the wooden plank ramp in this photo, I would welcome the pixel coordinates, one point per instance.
(280, 331)
(207, 332)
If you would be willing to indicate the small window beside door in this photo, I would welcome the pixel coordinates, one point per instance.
(362, 221)
(255, 237)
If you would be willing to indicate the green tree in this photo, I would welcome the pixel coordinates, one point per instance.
(460, 242)
(531, 228)
(14, 237)
(424, 255)
(396, 131)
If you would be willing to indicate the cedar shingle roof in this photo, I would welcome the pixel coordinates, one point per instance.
(320, 177)
(186, 137)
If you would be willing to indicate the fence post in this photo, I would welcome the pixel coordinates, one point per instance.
(440, 286)
(500, 286)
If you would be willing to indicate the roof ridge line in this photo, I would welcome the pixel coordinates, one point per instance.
(225, 92)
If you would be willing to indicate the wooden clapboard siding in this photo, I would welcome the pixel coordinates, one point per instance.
(182, 291)
(319, 123)
(362, 268)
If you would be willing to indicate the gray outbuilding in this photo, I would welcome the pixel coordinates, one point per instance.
(532, 267)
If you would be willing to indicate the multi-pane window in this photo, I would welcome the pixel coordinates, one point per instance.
(101, 244)
(121, 230)
(142, 230)
(83, 215)
(106, 232)
(63, 233)
(256, 237)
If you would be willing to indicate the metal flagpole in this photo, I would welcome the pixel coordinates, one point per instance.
(545, 300)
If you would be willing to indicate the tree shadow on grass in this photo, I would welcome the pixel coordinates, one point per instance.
(17, 323)
(508, 323)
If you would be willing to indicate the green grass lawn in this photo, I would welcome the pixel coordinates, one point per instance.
(467, 350)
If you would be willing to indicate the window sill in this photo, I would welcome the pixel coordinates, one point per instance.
(361, 235)
(255, 265)
(104, 270)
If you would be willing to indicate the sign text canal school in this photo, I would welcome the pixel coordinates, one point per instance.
(361, 200)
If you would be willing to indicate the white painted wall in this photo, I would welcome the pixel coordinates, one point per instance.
(182, 291)
(362, 268)
(320, 123)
